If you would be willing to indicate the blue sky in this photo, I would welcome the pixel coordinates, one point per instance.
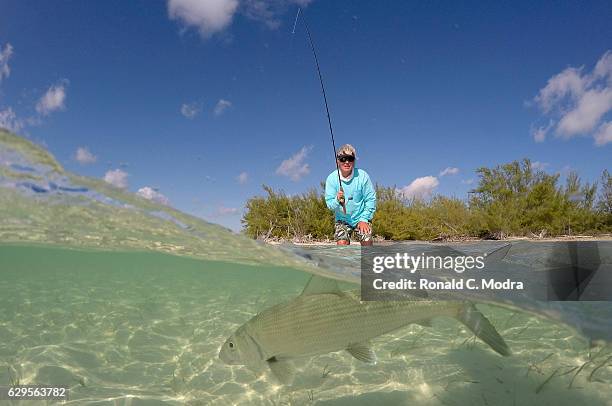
(201, 102)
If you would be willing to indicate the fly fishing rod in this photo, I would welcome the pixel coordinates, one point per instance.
(331, 130)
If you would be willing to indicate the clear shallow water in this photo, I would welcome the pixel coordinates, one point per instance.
(91, 298)
(146, 328)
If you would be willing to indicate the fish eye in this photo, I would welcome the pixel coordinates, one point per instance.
(231, 344)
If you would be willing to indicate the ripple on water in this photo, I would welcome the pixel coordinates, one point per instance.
(101, 333)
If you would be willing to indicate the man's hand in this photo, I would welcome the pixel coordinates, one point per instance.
(363, 227)
(340, 197)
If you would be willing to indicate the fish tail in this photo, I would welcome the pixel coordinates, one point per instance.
(482, 328)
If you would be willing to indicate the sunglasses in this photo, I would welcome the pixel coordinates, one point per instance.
(346, 158)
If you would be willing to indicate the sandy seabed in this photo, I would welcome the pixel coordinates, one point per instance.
(148, 332)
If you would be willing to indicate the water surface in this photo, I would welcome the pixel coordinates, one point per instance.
(128, 301)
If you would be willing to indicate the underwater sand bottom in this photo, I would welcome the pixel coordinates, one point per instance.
(151, 337)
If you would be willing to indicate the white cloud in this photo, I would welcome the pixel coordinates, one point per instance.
(603, 135)
(190, 110)
(117, 178)
(221, 106)
(9, 121)
(539, 133)
(420, 188)
(153, 194)
(589, 110)
(449, 171)
(603, 68)
(567, 83)
(225, 211)
(5, 55)
(52, 100)
(209, 16)
(467, 181)
(8, 118)
(295, 168)
(84, 156)
(269, 11)
(577, 102)
(539, 165)
(261, 10)
(243, 178)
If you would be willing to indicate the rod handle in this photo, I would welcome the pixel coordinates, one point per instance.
(342, 201)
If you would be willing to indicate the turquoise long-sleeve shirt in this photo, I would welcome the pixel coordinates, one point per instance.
(359, 195)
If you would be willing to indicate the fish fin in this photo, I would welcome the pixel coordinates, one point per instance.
(424, 323)
(318, 285)
(498, 254)
(482, 328)
(363, 352)
(282, 369)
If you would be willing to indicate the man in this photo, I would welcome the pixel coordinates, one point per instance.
(357, 195)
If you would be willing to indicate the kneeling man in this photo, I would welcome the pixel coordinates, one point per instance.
(354, 203)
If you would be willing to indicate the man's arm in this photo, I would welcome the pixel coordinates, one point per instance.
(330, 195)
(369, 197)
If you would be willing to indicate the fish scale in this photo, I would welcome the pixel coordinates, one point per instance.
(312, 325)
(324, 319)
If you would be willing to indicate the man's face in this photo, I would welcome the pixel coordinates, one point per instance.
(346, 163)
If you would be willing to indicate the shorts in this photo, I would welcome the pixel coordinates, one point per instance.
(344, 231)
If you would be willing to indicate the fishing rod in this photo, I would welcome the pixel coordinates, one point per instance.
(331, 130)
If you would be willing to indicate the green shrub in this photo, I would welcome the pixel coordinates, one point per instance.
(510, 199)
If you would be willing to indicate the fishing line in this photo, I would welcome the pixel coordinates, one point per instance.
(331, 130)
(295, 22)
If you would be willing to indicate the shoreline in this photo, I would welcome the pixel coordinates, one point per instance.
(603, 237)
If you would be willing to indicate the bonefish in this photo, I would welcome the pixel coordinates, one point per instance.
(325, 319)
